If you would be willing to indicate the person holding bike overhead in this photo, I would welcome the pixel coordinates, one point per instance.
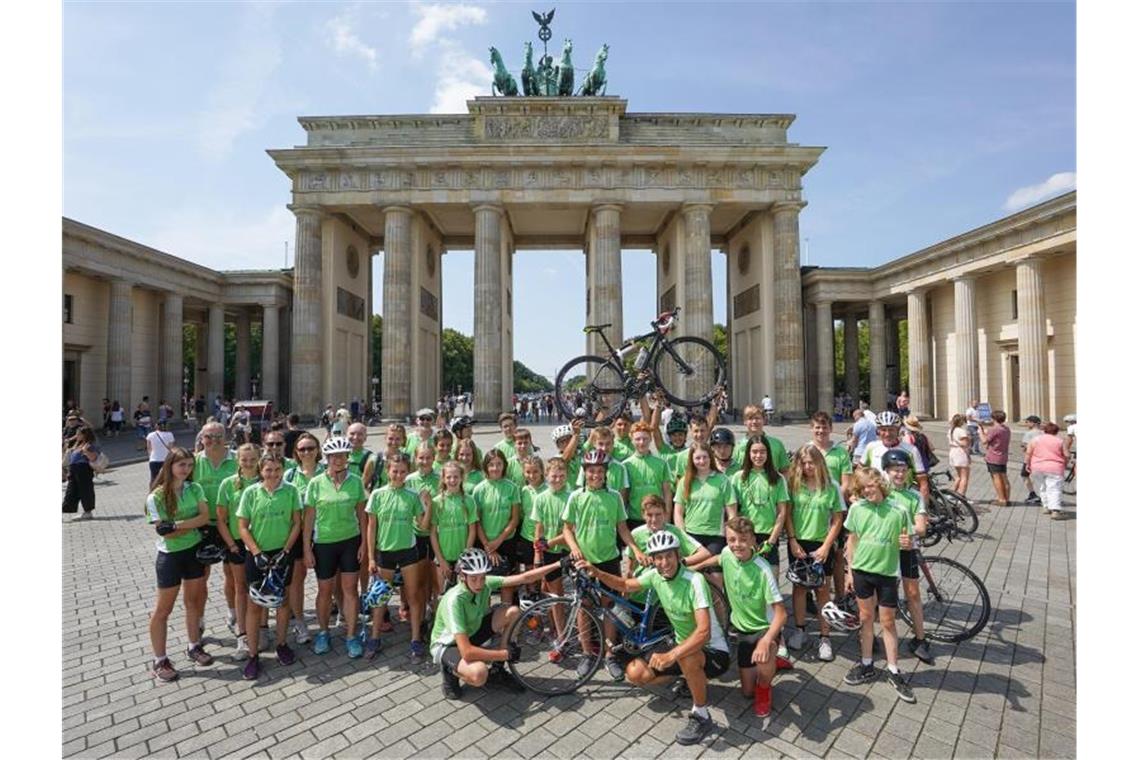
(897, 465)
(700, 651)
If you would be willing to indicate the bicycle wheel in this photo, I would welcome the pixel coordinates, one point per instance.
(659, 621)
(689, 370)
(1069, 484)
(550, 662)
(955, 603)
(965, 518)
(592, 384)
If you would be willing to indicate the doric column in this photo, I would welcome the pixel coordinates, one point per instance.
(119, 345)
(1032, 339)
(966, 343)
(488, 312)
(851, 356)
(396, 350)
(697, 310)
(918, 354)
(270, 352)
(172, 348)
(305, 370)
(605, 273)
(893, 377)
(825, 355)
(789, 335)
(878, 329)
(241, 358)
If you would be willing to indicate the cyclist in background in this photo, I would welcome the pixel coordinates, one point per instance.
(887, 428)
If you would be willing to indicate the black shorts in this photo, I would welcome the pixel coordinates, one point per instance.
(547, 558)
(520, 551)
(908, 563)
(253, 576)
(171, 568)
(210, 535)
(338, 556)
(451, 657)
(423, 548)
(996, 469)
(611, 566)
(716, 663)
(811, 546)
(772, 556)
(238, 557)
(715, 544)
(631, 523)
(873, 584)
(745, 646)
(394, 560)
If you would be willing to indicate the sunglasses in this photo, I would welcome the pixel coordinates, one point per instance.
(306, 449)
(425, 419)
(275, 443)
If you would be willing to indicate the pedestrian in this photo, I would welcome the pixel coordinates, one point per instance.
(972, 427)
(142, 424)
(200, 410)
(80, 462)
(1033, 429)
(1045, 459)
(912, 434)
(865, 431)
(158, 445)
(995, 437)
(292, 433)
(117, 417)
(903, 404)
(106, 416)
(958, 438)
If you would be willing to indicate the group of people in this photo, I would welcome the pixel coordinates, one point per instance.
(455, 524)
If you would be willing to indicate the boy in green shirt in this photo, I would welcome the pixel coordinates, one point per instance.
(897, 464)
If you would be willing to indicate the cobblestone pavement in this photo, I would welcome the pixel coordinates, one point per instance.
(1010, 692)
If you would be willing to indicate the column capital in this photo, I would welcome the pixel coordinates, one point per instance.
(696, 207)
(606, 207)
(122, 283)
(302, 210)
(918, 292)
(496, 208)
(968, 277)
(397, 210)
(788, 206)
(822, 302)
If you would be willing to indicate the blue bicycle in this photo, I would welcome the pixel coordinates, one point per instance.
(560, 637)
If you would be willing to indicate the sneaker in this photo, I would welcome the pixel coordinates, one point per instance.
(921, 650)
(695, 729)
(584, 666)
(164, 671)
(85, 516)
(285, 655)
(199, 655)
(782, 650)
(502, 678)
(322, 643)
(252, 669)
(452, 688)
(762, 701)
(901, 687)
(300, 632)
(371, 649)
(614, 668)
(795, 638)
(554, 656)
(783, 663)
(1033, 499)
(825, 652)
(241, 650)
(860, 674)
(354, 646)
(416, 651)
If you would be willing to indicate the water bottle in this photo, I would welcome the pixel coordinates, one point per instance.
(642, 357)
(624, 615)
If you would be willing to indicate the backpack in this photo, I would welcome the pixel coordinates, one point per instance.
(929, 458)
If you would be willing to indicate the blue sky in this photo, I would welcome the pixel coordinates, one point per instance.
(937, 117)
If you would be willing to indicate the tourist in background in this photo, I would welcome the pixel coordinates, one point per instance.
(1032, 430)
(902, 403)
(995, 437)
(80, 459)
(958, 438)
(972, 427)
(158, 445)
(864, 431)
(117, 417)
(1045, 459)
(142, 424)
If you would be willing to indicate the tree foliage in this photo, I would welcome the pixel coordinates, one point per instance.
(458, 361)
(527, 381)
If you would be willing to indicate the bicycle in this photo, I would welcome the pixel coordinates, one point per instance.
(553, 662)
(955, 602)
(1069, 484)
(952, 504)
(688, 369)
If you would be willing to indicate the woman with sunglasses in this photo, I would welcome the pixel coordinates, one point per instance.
(274, 442)
(307, 465)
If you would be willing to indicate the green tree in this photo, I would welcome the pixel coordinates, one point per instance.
(720, 339)
(458, 360)
(527, 381)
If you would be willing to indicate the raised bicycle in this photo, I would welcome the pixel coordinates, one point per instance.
(955, 602)
(688, 369)
(561, 652)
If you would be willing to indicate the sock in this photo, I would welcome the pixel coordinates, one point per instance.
(191, 646)
(868, 661)
(701, 712)
(893, 668)
(158, 659)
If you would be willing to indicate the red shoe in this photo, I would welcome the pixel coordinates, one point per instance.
(783, 664)
(762, 701)
(554, 655)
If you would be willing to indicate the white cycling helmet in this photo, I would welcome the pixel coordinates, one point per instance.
(336, 445)
(561, 432)
(662, 541)
(1069, 419)
(805, 572)
(473, 562)
(887, 419)
(839, 618)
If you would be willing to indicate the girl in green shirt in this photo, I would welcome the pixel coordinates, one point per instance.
(229, 493)
(763, 496)
(453, 521)
(549, 543)
(467, 454)
(307, 453)
(499, 505)
(444, 442)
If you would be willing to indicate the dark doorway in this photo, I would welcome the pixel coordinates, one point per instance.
(1015, 391)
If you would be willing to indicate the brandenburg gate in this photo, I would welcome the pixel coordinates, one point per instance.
(518, 173)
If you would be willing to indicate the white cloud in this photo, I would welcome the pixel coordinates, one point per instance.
(459, 78)
(341, 35)
(437, 17)
(227, 238)
(1061, 182)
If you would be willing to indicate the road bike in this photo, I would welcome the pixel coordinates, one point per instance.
(689, 370)
(559, 637)
(955, 602)
(951, 504)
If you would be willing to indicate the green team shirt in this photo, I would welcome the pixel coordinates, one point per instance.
(647, 475)
(838, 462)
(297, 477)
(396, 510)
(529, 494)
(909, 501)
(210, 478)
(379, 470)
(450, 516)
(229, 494)
(681, 597)
(752, 591)
(617, 478)
(679, 462)
(472, 479)
(705, 505)
(417, 481)
(515, 473)
(759, 500)
(507, 446)
(623, 448)
(779, 452)
(187, 508)
(573, 469)
(595, 516)
(547, 509)
(878, 527)
(413, 443)
(730, 470)
(812, 510)
(334, 507)
(270, 514)
(493, 501)
(460, 611)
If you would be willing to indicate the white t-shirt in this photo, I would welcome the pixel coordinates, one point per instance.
(159, 442)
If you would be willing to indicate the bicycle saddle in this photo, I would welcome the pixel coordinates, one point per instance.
(595, 328)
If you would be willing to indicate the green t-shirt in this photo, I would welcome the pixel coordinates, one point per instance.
(595, 516)
(908, 500)
(229, 494)
(507, 446)
(450, 516)
(623, 448)
(647, 475)
(838, 461)
(704, 507)
(472, 479)
(460, 611)
(493, 502)
(681, 597)
(396, 510)
(812, 510)
(186, 509)
(728, 471)
(412, 444)
(752, 591)
(419, 482)
(878, 527)
(779, 452)
(210, 478)
(759, 500)
(640, 536)
(573, 470)
(515, 473)
(547, 508)
(297, 477)
(270, 515)
(617, 479)
(529, 493)
(334, 508)
(679, 462)
(357, 458)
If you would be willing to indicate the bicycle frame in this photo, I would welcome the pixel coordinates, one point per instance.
(659, 342)
(636, 638)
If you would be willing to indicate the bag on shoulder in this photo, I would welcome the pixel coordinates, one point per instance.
(929, 458)
(101, 463)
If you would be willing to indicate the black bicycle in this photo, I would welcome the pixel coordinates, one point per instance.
(689, 370)
(1069, 484)
(951, 504)
(955, 602)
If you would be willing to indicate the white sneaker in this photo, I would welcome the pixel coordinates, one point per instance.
(241, 651)
(825, 652)
(782, 650)
(795, 638)
(300, 632)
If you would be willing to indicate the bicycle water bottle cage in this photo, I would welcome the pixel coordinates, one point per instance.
(595, 328)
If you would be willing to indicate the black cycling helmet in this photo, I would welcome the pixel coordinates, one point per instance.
(677, 424)
(895, 457)
(459, 423)
(722, 435)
